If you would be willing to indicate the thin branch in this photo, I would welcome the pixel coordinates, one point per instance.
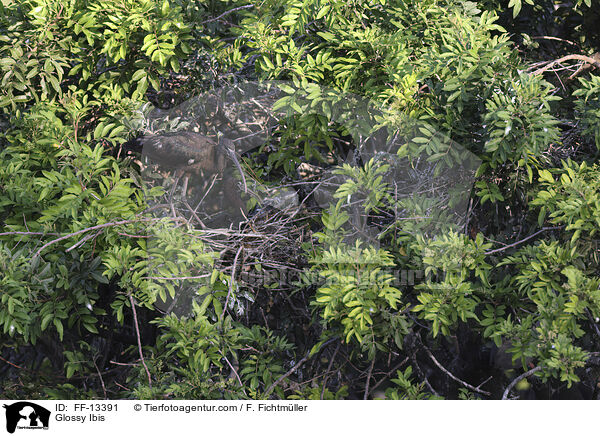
(485, 381)
(89, 229)
(231, 11)
(421, 374)
(101, 380)
(203, 276)
(139, 340)
(134, 236)
(554, 38)
(28, 233)
(592, 321)
(232, 368)
(287, 374)
(575, 57)
(12, 364)
(329, 369)
(235, 372)
(122, 364)
(121, 386)
(388, 374)
(230, 290)
(294, 368)
(366, 396)
(596, 358)
(82, 241)
(518, 379)
(452, 376)
(229, 233)
(497, 250)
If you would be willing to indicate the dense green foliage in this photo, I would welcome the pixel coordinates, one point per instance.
(512, 287)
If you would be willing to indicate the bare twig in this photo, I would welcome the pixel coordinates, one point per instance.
(294, 368)
(594, 358)
(101, 380)
(506, 247)
(554, 38)
(329, 369)
(518, 379)
(139, 339)
(203, 276)
(230, 233)
(82, 241)
(593, 322)
(575, 57)
(121, 386)
(452, 376)
(234, 372)
(388, 374)
(485, 381)
(422, 375)
(227, 13)
(89, 229)
(366, 396)
(12, 364)
(237, 376)
(134, 236)
(28, 233)
(123, 364)
(231, 281)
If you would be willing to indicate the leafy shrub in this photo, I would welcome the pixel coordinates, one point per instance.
(588, 107)
(84, 265)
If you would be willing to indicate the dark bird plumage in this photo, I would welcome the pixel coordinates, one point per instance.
(189, 152)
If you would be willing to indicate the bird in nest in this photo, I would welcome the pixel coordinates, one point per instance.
(190, 152)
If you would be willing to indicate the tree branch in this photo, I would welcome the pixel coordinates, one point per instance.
(366, 396)
(89, 229)
(452, 376)
(230, 290)
(139, 340)
(227, 13)
(575, 57)
(518, 379)
(294, 368)
(497, 250)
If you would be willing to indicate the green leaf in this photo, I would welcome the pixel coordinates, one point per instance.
(59, 327)
(324, 11)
